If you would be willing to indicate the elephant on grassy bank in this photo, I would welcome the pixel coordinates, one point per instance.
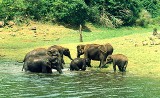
(42, 64)
(98, 53)
(78, 64)
(62, 51)
(118, 59)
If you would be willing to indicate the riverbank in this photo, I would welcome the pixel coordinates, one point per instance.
(143, 59)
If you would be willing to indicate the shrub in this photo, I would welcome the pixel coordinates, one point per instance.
(144, 18)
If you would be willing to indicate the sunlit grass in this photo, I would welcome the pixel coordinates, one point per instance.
(143, 60)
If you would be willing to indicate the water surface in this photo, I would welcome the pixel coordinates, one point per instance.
(14, 83)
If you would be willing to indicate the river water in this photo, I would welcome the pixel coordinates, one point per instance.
(15, 83)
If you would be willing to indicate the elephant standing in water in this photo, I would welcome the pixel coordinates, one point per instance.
(118, 59)
(97, 52)
(62, 51)
(78, 63)
(42, 64)
(43, 57)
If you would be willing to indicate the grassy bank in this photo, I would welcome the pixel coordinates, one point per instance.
(144, 60)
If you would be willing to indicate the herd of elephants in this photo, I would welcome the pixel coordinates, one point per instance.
(43, 60)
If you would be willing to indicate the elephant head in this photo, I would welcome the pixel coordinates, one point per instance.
(66, 52)
(109, 59)
(52, 52)
(80, 50)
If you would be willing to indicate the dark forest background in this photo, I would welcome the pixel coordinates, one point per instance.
(108, 13)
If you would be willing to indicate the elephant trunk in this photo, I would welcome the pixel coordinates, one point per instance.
(78, 55)
(70, 57)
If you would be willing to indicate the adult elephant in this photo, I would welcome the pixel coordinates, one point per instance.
(80, 49)
(98, 53)
(43, 52)
(42, 64)
(62, 51)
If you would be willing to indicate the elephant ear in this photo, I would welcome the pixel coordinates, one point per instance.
(103, 48)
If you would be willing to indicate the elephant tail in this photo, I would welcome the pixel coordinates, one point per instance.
(23, 65)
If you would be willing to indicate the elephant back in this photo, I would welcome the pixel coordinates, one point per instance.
(87, 46)
(106, 48)
(38, 51)
(119, 57)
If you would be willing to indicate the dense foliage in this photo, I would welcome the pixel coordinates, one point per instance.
(109, 13)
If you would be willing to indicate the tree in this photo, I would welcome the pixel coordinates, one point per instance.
(72, 12)
(152, 6)
(116, 10)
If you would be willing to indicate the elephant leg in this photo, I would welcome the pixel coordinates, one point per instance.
(101, 65)
(46, 69)
(124, 67)
(120, 67)
(87, 59)
(114, 66)
(71, 69)
(62, 65)
(63, 61)
(76, 68)
(89, 62)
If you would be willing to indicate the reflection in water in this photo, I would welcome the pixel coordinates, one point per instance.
(15, 83)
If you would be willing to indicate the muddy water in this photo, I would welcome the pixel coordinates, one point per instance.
(17, 84)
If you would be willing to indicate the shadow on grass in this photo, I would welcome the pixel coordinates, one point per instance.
(75, 27)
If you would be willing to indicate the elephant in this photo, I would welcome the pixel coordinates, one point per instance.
(98, 53)
(43, 52)
(42, 64)
(118, 59)
(80, 49)
(78, 63)
(62, 51)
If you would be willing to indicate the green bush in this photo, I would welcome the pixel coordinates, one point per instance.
(156, 20)
(144, 19)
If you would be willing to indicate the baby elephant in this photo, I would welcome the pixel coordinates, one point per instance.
(118, 59)
(78, 63)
